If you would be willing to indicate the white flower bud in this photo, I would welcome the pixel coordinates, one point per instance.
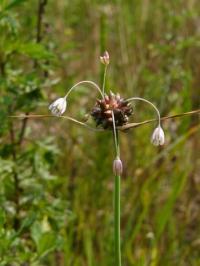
(117, 166)
(58, 107)
(105, 59)
(158, 136)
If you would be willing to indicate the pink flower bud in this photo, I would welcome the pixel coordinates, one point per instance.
(117, 166)
(105, 59)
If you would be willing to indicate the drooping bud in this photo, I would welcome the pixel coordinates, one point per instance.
(158, 136)
(58, 107)
(105, 59)
(117, 166)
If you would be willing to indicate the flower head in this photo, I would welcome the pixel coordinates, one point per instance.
(102, 111)
(158, 136)
(105, 59)
(117, 166)
(58, 107)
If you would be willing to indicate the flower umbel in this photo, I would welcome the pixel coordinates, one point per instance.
(158, 136)
(58, 107)
(102, 111)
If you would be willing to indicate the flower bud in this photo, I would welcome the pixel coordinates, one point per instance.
(117, 166)
(158, 136)
(105, 59)
(58, 107)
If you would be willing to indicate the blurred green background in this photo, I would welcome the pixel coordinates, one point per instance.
(56, 181)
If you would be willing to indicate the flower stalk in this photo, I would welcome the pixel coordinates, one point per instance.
(117, 241)
(84, 82)
(104, 79)
(146, 101)
(158, 136)
(117, 169)
(105, 60)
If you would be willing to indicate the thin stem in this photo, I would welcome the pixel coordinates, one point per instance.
(81, 123)
(53, 116)
(41, 11)
(117, 221)
(23, 129)
(40, 16)
(104, 79)
(115, 136)
(122, 128)
(146, 101)
(15, 176)
(82, 82)
(117, 201)
(131, 125)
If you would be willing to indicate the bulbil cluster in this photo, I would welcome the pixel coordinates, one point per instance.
(102, 111)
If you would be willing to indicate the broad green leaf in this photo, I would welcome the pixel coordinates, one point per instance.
(28, 221)
(31, 49)
(36, 232)
(47, 243)
(14, 3)
(35, 50)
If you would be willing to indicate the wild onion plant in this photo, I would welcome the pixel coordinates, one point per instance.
(111, 112)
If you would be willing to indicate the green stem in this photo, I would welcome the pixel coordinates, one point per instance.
(104, 79)
(117, 221)
(116, 138)
(117, 202)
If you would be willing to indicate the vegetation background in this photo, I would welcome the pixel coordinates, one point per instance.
(56, 181)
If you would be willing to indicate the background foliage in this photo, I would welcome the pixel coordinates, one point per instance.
(56, 178)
